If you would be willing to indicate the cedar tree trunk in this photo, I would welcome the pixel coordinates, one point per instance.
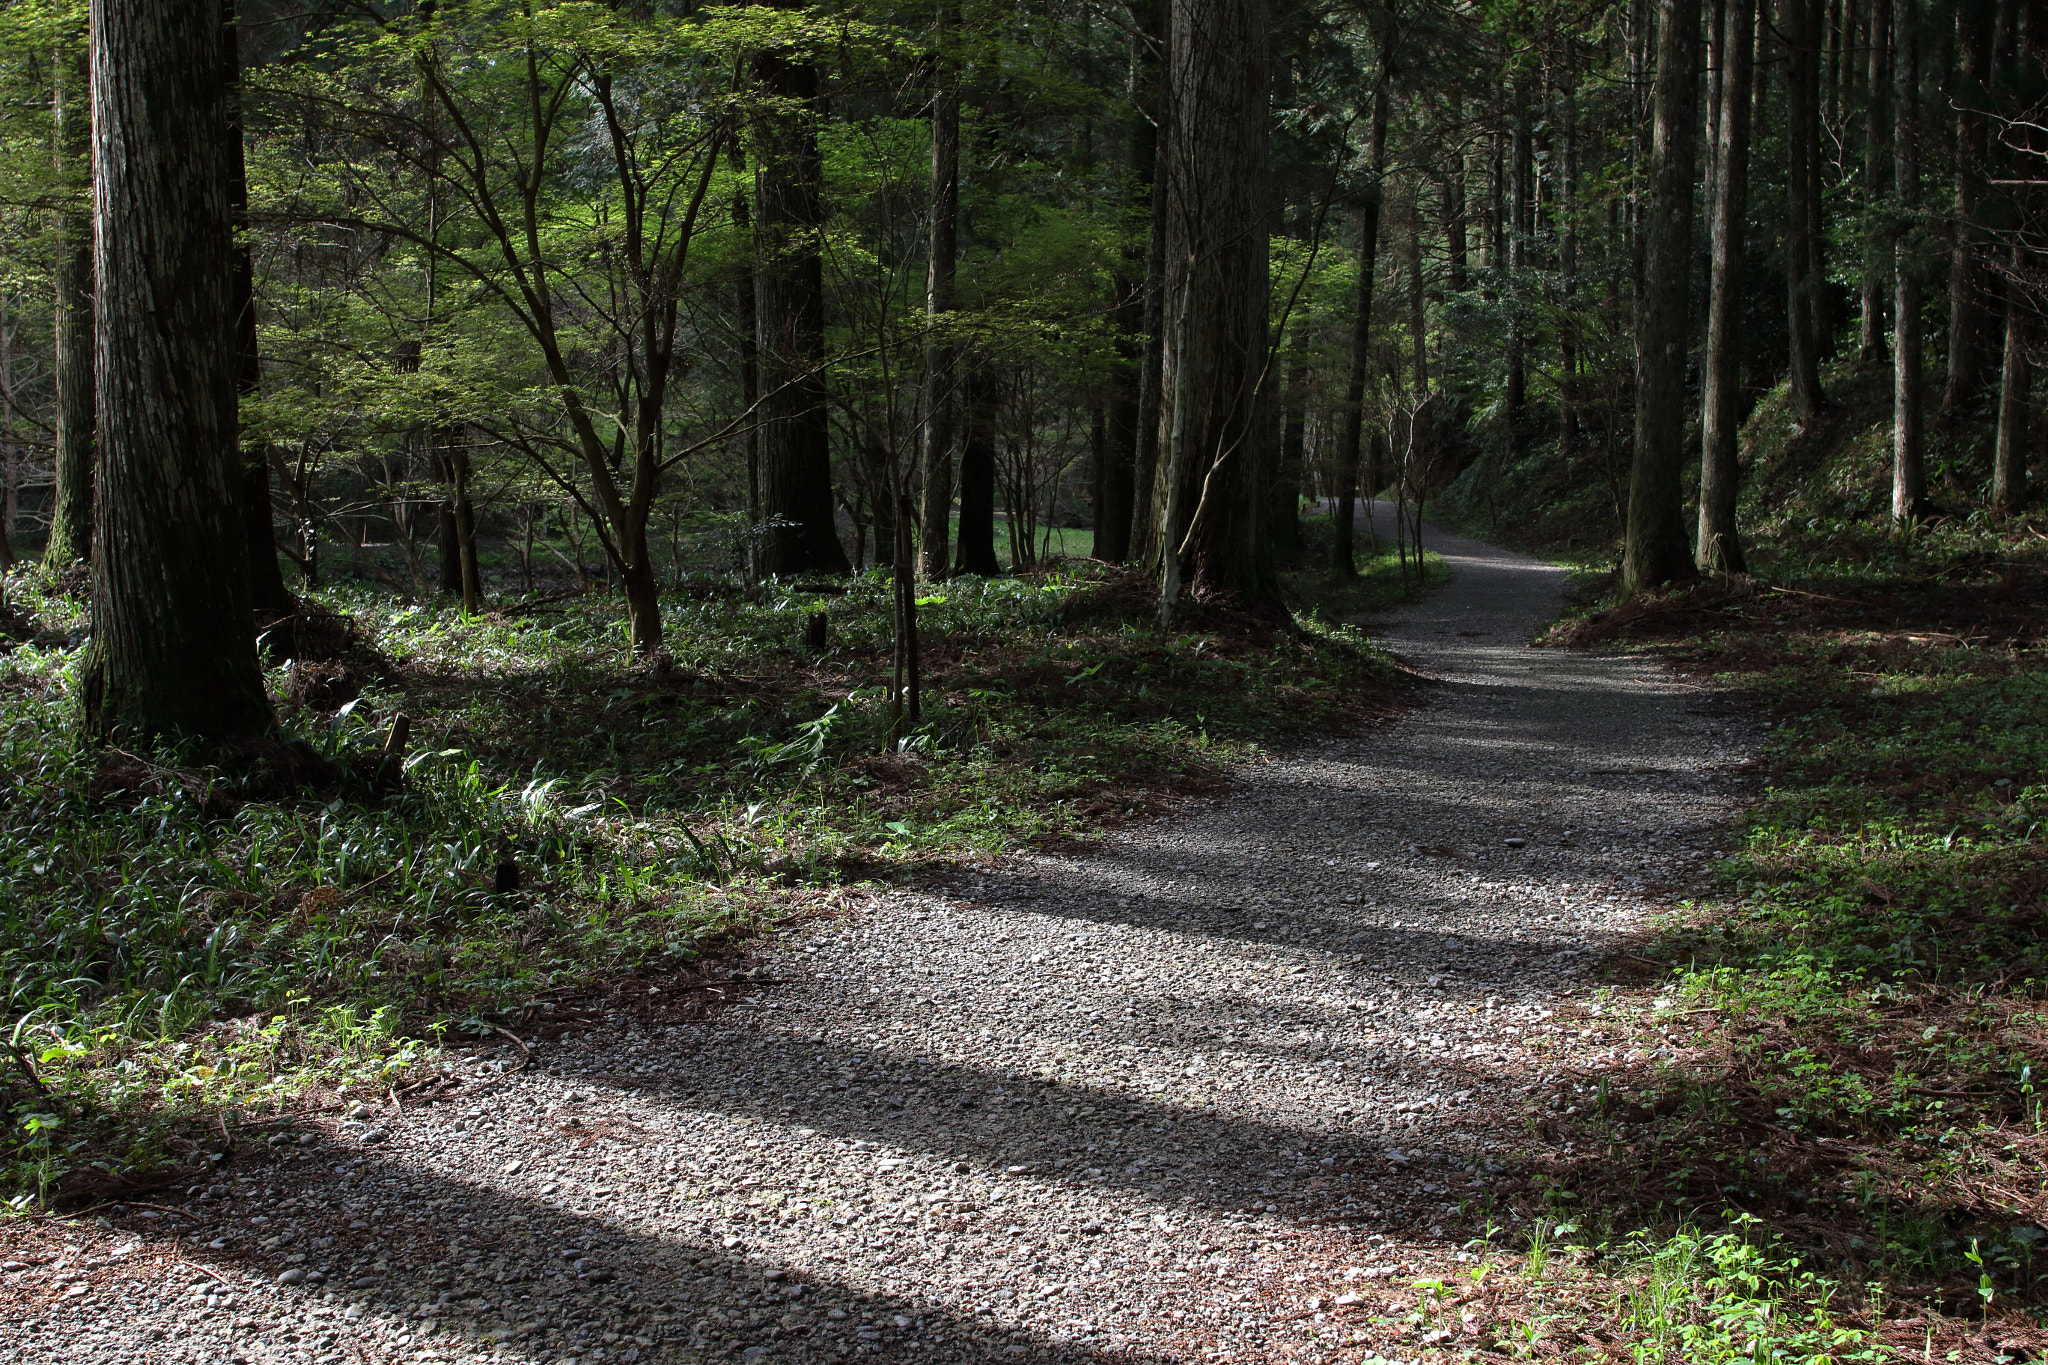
(799, 534)
(172, 650)
(1720, 550)
(1656, 551)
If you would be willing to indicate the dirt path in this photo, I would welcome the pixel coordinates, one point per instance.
(1184, 1096)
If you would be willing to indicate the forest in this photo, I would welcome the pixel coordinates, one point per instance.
(510, 508)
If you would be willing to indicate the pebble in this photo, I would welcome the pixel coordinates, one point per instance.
(1137, 1102)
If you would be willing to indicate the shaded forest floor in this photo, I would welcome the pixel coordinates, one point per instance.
(190, 949)
(1832, 1140)
(1831, 1137)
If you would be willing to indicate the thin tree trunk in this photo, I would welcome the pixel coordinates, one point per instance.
(800, 533)
(1969, 353)
(1720, 548)
(940, 352)
(1876, 168)
(1521, 226)
(1802, 144)
(1909, 475)
(1351, 445)
(1219, 458)
(878, 473)
(9, 461)
(71, 517)
(2015, 408)
(172, 650)
(1568, 249)
(1656, 551)
(468, 576)
(1456, 250)
(749, 359)
(1282, 497)
(1418, 320)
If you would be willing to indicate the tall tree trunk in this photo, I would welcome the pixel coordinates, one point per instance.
(1909, 474)
(800, 533)
(1802, 145)
(1119, 502)
(1720, 548)
(1418, 319)
(1969, 316)
(172, 650)
(1568, 247)
(1656, 551)
(71, 518)
(1456, 250)
(1214, 364)
(748, 358)
(1154, 51)
(941, 263)
(1876, 171)
(1351, 444)
(978, 475)
(2015, 408)
(1521, 227)
(1819, 298)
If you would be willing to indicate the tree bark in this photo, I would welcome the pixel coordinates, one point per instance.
(1521, 227)
(1351, 445)
(1720, 548)
(1215, 358)
(1969, 316)
(1568, 248)
(1876, 166)
(1154, 49)
(1909, 475)
(2015, 408)
(172, 650)
(1656, 551)
(800, 534)
(941, 265)
(1802, 144)
(70, 539)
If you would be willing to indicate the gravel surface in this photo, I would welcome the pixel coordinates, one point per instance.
(1209, 1090)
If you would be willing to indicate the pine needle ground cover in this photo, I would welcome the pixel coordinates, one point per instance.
(1827, 1140)
(189, 949)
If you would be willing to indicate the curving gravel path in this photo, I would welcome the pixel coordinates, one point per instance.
(1204, 1092)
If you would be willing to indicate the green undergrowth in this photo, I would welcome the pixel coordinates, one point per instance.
(182, 941)
(1724, 1294)
(1854, 1034)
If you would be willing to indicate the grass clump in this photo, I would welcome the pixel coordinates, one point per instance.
(1860, 1026)
(185, 945)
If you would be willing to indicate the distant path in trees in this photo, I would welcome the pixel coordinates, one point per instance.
(1166, 1097)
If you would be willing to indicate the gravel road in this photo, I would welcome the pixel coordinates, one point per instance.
(1208, 1090)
